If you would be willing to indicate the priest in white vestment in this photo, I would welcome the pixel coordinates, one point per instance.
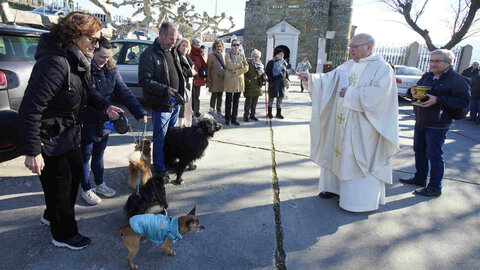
(354, 127)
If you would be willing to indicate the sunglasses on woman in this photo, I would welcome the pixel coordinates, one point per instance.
(235, 45)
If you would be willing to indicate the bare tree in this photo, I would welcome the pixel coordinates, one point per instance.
(462, 23)
(151, 13)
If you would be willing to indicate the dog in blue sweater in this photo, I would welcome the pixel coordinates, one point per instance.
(159, 229)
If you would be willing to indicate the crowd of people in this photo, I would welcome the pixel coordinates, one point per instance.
(65, 114)
(354, 126)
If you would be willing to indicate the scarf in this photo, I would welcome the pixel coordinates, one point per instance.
(278, 67)
(258, 67)
(82, 58)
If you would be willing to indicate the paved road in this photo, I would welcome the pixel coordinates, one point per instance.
(234, 192)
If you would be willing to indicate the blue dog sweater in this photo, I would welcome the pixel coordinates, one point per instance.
(156, 227)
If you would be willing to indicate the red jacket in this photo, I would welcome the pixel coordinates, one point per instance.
(198, 61)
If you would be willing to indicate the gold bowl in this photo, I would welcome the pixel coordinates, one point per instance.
(420, 93)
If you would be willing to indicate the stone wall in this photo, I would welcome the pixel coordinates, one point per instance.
(313, 18)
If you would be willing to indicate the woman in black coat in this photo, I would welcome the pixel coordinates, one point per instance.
(183, 50)
(94, 135)
(50, 118)
(277, 74)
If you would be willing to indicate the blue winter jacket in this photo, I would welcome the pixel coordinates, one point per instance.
(108, 81)
(156, 227)
(452, 91)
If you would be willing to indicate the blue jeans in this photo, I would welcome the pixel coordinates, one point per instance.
(428, 146)
(161, 122)
(94, 150)
(474, 109)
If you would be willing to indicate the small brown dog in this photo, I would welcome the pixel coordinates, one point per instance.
(160, 229)
(140, 163)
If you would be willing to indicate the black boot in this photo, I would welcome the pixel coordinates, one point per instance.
(270, 115)
(279, 113)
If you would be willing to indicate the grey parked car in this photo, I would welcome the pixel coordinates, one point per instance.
(17, 50)
(127, 54)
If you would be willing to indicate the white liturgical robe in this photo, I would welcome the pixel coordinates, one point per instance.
(354, 138)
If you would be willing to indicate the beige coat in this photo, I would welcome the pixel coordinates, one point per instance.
(214, 71)
(234, 81)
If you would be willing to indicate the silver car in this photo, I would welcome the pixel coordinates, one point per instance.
(127, 53)
(17, 50)
(406, 77)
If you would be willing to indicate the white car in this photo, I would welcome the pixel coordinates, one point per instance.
(406, 77)
(126, 53)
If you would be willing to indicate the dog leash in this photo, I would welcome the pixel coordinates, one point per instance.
(141, 157)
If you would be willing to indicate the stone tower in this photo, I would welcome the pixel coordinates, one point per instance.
(302, 28)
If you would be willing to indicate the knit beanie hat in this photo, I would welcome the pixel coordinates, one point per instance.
(277, 51)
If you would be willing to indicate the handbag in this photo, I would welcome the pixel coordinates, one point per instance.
(202, 72)
(261, 81)
(220, 72)
(286, 82)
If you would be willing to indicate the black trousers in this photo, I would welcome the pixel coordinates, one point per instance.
(250, 106)
(60, 180)
(231, 112)
(196, 99)
(216, 101)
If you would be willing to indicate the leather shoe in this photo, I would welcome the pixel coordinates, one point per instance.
(428, 192)
(412, 181)
(245, 119)
(253, 118)
(326, 195)
(235, 122)
(227, 122)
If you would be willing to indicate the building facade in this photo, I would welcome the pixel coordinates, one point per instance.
(302, 28)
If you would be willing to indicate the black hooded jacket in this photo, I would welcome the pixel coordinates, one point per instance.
(154, 78)
(51, 111)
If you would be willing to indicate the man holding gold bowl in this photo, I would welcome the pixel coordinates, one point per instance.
(447, 96)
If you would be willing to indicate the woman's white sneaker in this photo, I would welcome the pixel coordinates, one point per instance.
(90, 197)
(105, 190)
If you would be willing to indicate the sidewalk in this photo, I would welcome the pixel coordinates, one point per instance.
(232, 192)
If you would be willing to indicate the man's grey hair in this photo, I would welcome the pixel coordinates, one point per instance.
(195, 41)
(447, 54)
(165, 27)
(256, 52)
(368, 38)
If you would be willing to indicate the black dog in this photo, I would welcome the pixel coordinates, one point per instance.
(188, 144)
(150, 195)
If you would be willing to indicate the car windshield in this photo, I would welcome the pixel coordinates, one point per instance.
(17, 48)
(408, 71)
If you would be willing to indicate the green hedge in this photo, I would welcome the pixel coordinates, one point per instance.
(20, 6)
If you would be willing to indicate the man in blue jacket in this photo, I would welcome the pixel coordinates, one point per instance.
(450, 93)
(161, 77)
